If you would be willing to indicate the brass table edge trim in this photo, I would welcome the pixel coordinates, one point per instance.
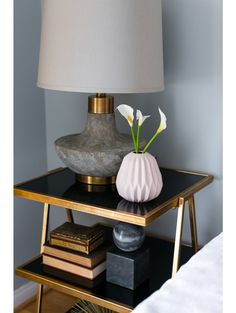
(144, 220)
(185, 171)
(104, 212)
(71, 290)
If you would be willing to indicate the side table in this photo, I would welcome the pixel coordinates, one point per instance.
(59, 188)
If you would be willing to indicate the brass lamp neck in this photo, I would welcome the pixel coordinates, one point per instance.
(101, 104)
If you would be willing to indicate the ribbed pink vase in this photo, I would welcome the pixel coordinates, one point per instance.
(139, 178)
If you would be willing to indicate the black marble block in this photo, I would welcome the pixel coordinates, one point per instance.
(127, 269)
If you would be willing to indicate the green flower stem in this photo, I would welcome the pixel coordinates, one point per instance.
(151, 140)
(134, 140)
(138, 138)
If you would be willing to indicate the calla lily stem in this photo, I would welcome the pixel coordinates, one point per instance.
(138, 138)
(134, 140)
(151, 140)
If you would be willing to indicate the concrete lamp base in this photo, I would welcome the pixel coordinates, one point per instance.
(96, 154)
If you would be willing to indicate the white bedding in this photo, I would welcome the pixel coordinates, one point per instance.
(196, 288)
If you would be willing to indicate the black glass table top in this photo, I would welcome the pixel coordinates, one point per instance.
(61, 188)
(161, 255)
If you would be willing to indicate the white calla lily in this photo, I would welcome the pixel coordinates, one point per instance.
(162, 125)
(141, 118)
(128, 112)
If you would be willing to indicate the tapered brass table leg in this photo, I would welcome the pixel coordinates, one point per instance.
(39, 299)
(70, 215)
(44, 225)
(43, 240)
(193, 223)
(178, 236)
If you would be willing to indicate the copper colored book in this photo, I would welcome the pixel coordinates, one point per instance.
(90, 260)
(74, 268)
(77, 247)
(76, 233)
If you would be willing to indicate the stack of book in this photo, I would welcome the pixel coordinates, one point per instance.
(76, 250)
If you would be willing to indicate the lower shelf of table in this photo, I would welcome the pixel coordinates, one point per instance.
(109, 295)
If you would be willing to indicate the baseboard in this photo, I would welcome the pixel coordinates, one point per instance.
(24, 293)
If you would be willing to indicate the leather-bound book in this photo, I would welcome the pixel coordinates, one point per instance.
(77, 237)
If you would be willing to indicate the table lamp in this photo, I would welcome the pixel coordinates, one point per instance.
(100, 47)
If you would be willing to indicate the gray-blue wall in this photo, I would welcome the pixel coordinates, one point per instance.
(193, 103)
(29, 128)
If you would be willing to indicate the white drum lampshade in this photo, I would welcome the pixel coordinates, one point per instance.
(100, 46)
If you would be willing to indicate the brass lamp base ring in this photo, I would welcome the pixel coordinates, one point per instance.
(96, 180)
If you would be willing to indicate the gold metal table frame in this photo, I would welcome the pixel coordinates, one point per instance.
(179, 204)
